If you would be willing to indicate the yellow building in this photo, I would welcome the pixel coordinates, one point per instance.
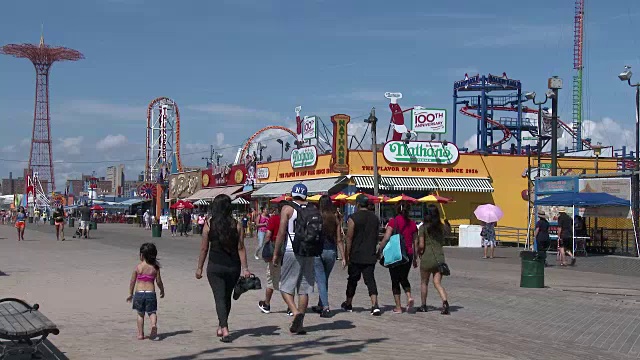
(471, 180)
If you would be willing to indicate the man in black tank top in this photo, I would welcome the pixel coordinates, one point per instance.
(361, 253)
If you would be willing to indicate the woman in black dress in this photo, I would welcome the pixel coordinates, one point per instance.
(223, 239)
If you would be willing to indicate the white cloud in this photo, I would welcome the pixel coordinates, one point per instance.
(97, 108)
(237, 111)
(8, 149)
(71, 145)
(219, 139)
(25, 142)
(112, 142)
(607, 131)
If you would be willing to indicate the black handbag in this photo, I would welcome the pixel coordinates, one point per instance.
(443, 268)
(267, 251)
(245, 284)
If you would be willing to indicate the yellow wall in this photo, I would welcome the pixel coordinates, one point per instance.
(506, 172)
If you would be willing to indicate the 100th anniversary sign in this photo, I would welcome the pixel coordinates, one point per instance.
(421, 152)
(304, 157)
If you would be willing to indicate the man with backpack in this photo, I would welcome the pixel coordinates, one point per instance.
(300, 227)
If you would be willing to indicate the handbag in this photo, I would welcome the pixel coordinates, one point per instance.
(245, 284)
(395, 251)
(267, 251)
(443, 268)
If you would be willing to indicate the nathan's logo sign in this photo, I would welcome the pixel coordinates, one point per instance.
(304, 157)
(421, 152)
(429, 121)
(340, 151)
(220, 174)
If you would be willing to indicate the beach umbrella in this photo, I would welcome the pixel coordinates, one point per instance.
(281, 198)
(371, 198)
(314, 198)
(97, 208)
(181, 205)
(339, 196)
(384, 198)
(402, 197)
(435, 199)
(488, 213)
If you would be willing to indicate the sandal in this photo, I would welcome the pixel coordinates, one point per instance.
(422, 308)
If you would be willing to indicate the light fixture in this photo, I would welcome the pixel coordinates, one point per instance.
(279, 141)
(626, 74)
(550, 94)
(530, 95)
(445, 143)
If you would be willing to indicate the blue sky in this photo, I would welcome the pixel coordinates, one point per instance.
(234, 67)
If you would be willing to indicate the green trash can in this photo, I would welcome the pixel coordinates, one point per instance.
(30, 219)
(93, 225)
(72, 222)
(51, 221)
(156, 230)
(532, 272)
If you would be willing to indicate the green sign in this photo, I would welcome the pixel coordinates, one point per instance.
(421, 152)
(304, 157)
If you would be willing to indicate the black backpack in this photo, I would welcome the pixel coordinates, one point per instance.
(308, 228)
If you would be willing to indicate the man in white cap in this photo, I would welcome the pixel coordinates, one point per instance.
(300, 226)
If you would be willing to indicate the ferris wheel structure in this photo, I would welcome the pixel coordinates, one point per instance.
(163, 139)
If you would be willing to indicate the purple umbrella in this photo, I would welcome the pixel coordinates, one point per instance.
(488, 213)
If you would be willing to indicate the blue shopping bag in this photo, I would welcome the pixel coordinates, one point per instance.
(395, 252)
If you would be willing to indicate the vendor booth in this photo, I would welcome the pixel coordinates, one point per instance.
(591, 197)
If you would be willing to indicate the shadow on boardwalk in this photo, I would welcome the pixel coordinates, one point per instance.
(300, 349)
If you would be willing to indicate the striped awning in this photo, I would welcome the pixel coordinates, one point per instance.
(208, 194)
(420, 183)
(314, 186)
(240, 201)
(201, 202)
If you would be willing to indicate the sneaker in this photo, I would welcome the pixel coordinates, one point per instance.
(422, 308)
(347, 308)
(264, 307)
(289, 313)
(317, 309)
(375, 311)
(573, 261)
(326, 313)
(256, 257)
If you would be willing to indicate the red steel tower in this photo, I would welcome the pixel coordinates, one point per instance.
(42, 56)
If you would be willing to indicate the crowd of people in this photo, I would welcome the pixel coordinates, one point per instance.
(300, 244)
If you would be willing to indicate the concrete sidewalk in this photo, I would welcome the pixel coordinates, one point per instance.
(82, 285)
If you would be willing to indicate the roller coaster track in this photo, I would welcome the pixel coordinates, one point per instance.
(507, 135)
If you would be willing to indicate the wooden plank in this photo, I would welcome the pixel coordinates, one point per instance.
(13, 327)
(19, 318)
(45, 320)
(35, 320)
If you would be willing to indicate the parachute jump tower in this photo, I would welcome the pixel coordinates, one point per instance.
(42, 56)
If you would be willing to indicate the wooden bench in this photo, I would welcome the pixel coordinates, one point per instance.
(23, 327)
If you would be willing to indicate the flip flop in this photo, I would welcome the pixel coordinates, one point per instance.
(225, 339)
(154, 333)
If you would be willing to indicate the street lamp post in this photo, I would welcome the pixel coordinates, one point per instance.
(626, 76)
(372, 120)
(532, 96)
(554, 84)
(279, 141)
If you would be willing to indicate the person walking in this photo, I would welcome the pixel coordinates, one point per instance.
(21, 218)
(300, 225)
(58, 218)
(147, 220)
(332, 244)
(186, 219)
(223, 240)
(361, 254)
(431, 238)
(85, 219)
(201, 221)
(273, 272)
(488, 234)
(565, 237)
(401, 224)
(142, 290)
(542, 232)
(261, 224)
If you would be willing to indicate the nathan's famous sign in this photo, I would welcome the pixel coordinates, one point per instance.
(421, 152)
(304, 157)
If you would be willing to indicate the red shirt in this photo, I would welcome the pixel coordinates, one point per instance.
(273, 225)
(408, 230)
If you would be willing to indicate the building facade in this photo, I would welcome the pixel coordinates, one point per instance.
(115, 174)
